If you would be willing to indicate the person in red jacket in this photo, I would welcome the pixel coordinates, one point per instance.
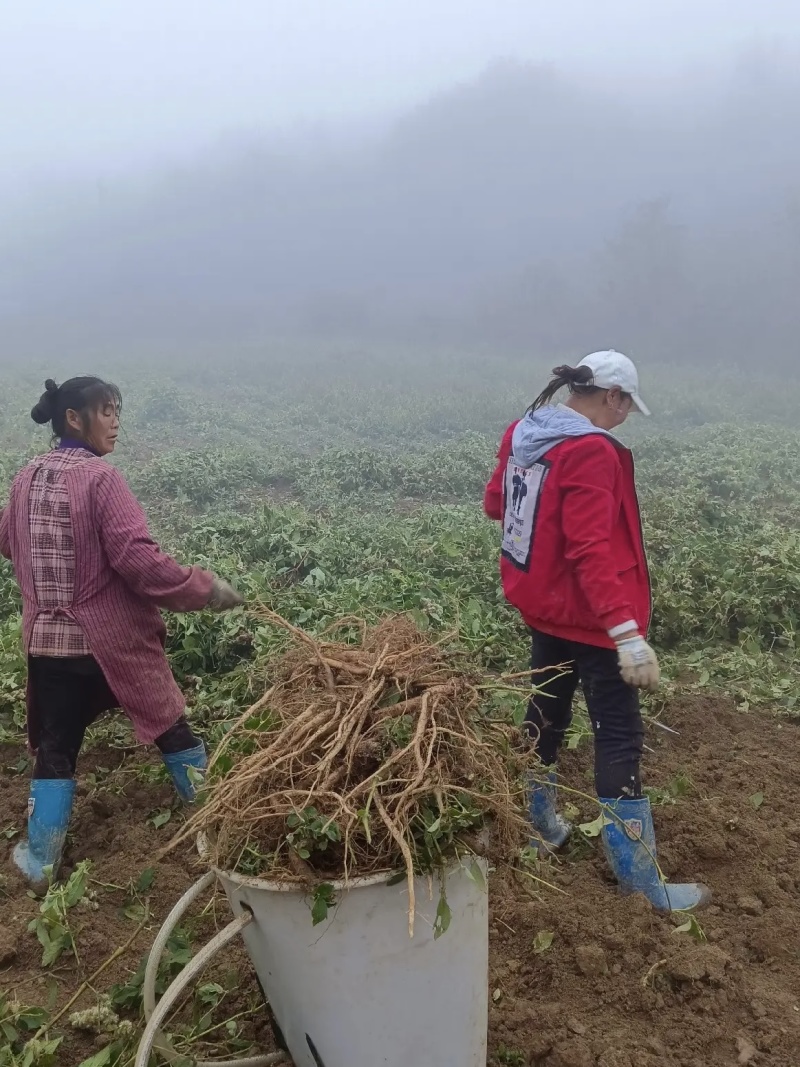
(573, 563)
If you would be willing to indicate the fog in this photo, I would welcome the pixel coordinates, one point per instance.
(552, 203)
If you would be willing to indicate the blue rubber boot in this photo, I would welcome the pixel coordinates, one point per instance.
(178, 764)
(630, 844)
(49, 809)
(551, 829)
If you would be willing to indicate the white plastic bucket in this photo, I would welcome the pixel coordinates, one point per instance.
(356, 990)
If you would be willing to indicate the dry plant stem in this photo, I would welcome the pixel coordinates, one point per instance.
(403, 707)
(402, 679)
(652, 971)
(350, 726)
(541, 881)
(378, 662)
(508, 676)
(301, 635)
(259, 704)
(338, 753)
(377, 776)
(347, 620)
(349, 668)
(402, 844)
(422, 723)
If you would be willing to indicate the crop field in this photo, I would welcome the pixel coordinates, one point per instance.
(348, 482)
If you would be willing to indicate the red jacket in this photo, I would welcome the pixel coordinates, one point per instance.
(573, 560)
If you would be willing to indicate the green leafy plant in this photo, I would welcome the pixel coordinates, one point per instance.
(34, 1053)
(680, 786)
(691, 927)
(161, 817)
(103, 1021)
(322, 899)
(52, 926)
(17, 1024)
(543, 941)
(509, 1057)
(593, 828)
(437, 832)
(311, 832)
(444, 915)
(127, 995)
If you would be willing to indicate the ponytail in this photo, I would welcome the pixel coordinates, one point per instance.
(577, 379)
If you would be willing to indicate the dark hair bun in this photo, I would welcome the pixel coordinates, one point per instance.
(45, 409)
(574, 375)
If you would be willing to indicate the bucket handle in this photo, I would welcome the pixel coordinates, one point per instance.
(155, 1014)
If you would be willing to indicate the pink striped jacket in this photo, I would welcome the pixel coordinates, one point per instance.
(122, 578)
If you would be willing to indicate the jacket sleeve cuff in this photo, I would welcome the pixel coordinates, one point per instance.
(492, 508)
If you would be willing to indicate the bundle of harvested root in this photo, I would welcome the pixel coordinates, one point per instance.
(363, 757)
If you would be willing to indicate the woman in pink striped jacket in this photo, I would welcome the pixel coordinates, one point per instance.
(92, 582)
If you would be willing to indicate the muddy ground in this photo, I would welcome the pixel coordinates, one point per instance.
(618, 986)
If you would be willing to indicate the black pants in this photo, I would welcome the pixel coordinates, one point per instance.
(69, 695)
(612, 704)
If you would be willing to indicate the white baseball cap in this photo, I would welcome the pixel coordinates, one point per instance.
(611, 368)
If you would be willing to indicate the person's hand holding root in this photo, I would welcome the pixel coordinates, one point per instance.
(223, 596)
(638, 663)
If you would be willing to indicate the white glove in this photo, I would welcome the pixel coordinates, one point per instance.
(638, 664)
(223, 596)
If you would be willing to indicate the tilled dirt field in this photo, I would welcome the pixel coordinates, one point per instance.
(579, 978)
(619, 987)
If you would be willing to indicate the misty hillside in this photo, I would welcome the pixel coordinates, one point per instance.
(523, 209)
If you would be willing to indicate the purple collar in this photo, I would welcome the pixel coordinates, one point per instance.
(71, 442)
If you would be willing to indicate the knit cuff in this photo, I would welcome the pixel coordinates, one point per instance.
(624, 628)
